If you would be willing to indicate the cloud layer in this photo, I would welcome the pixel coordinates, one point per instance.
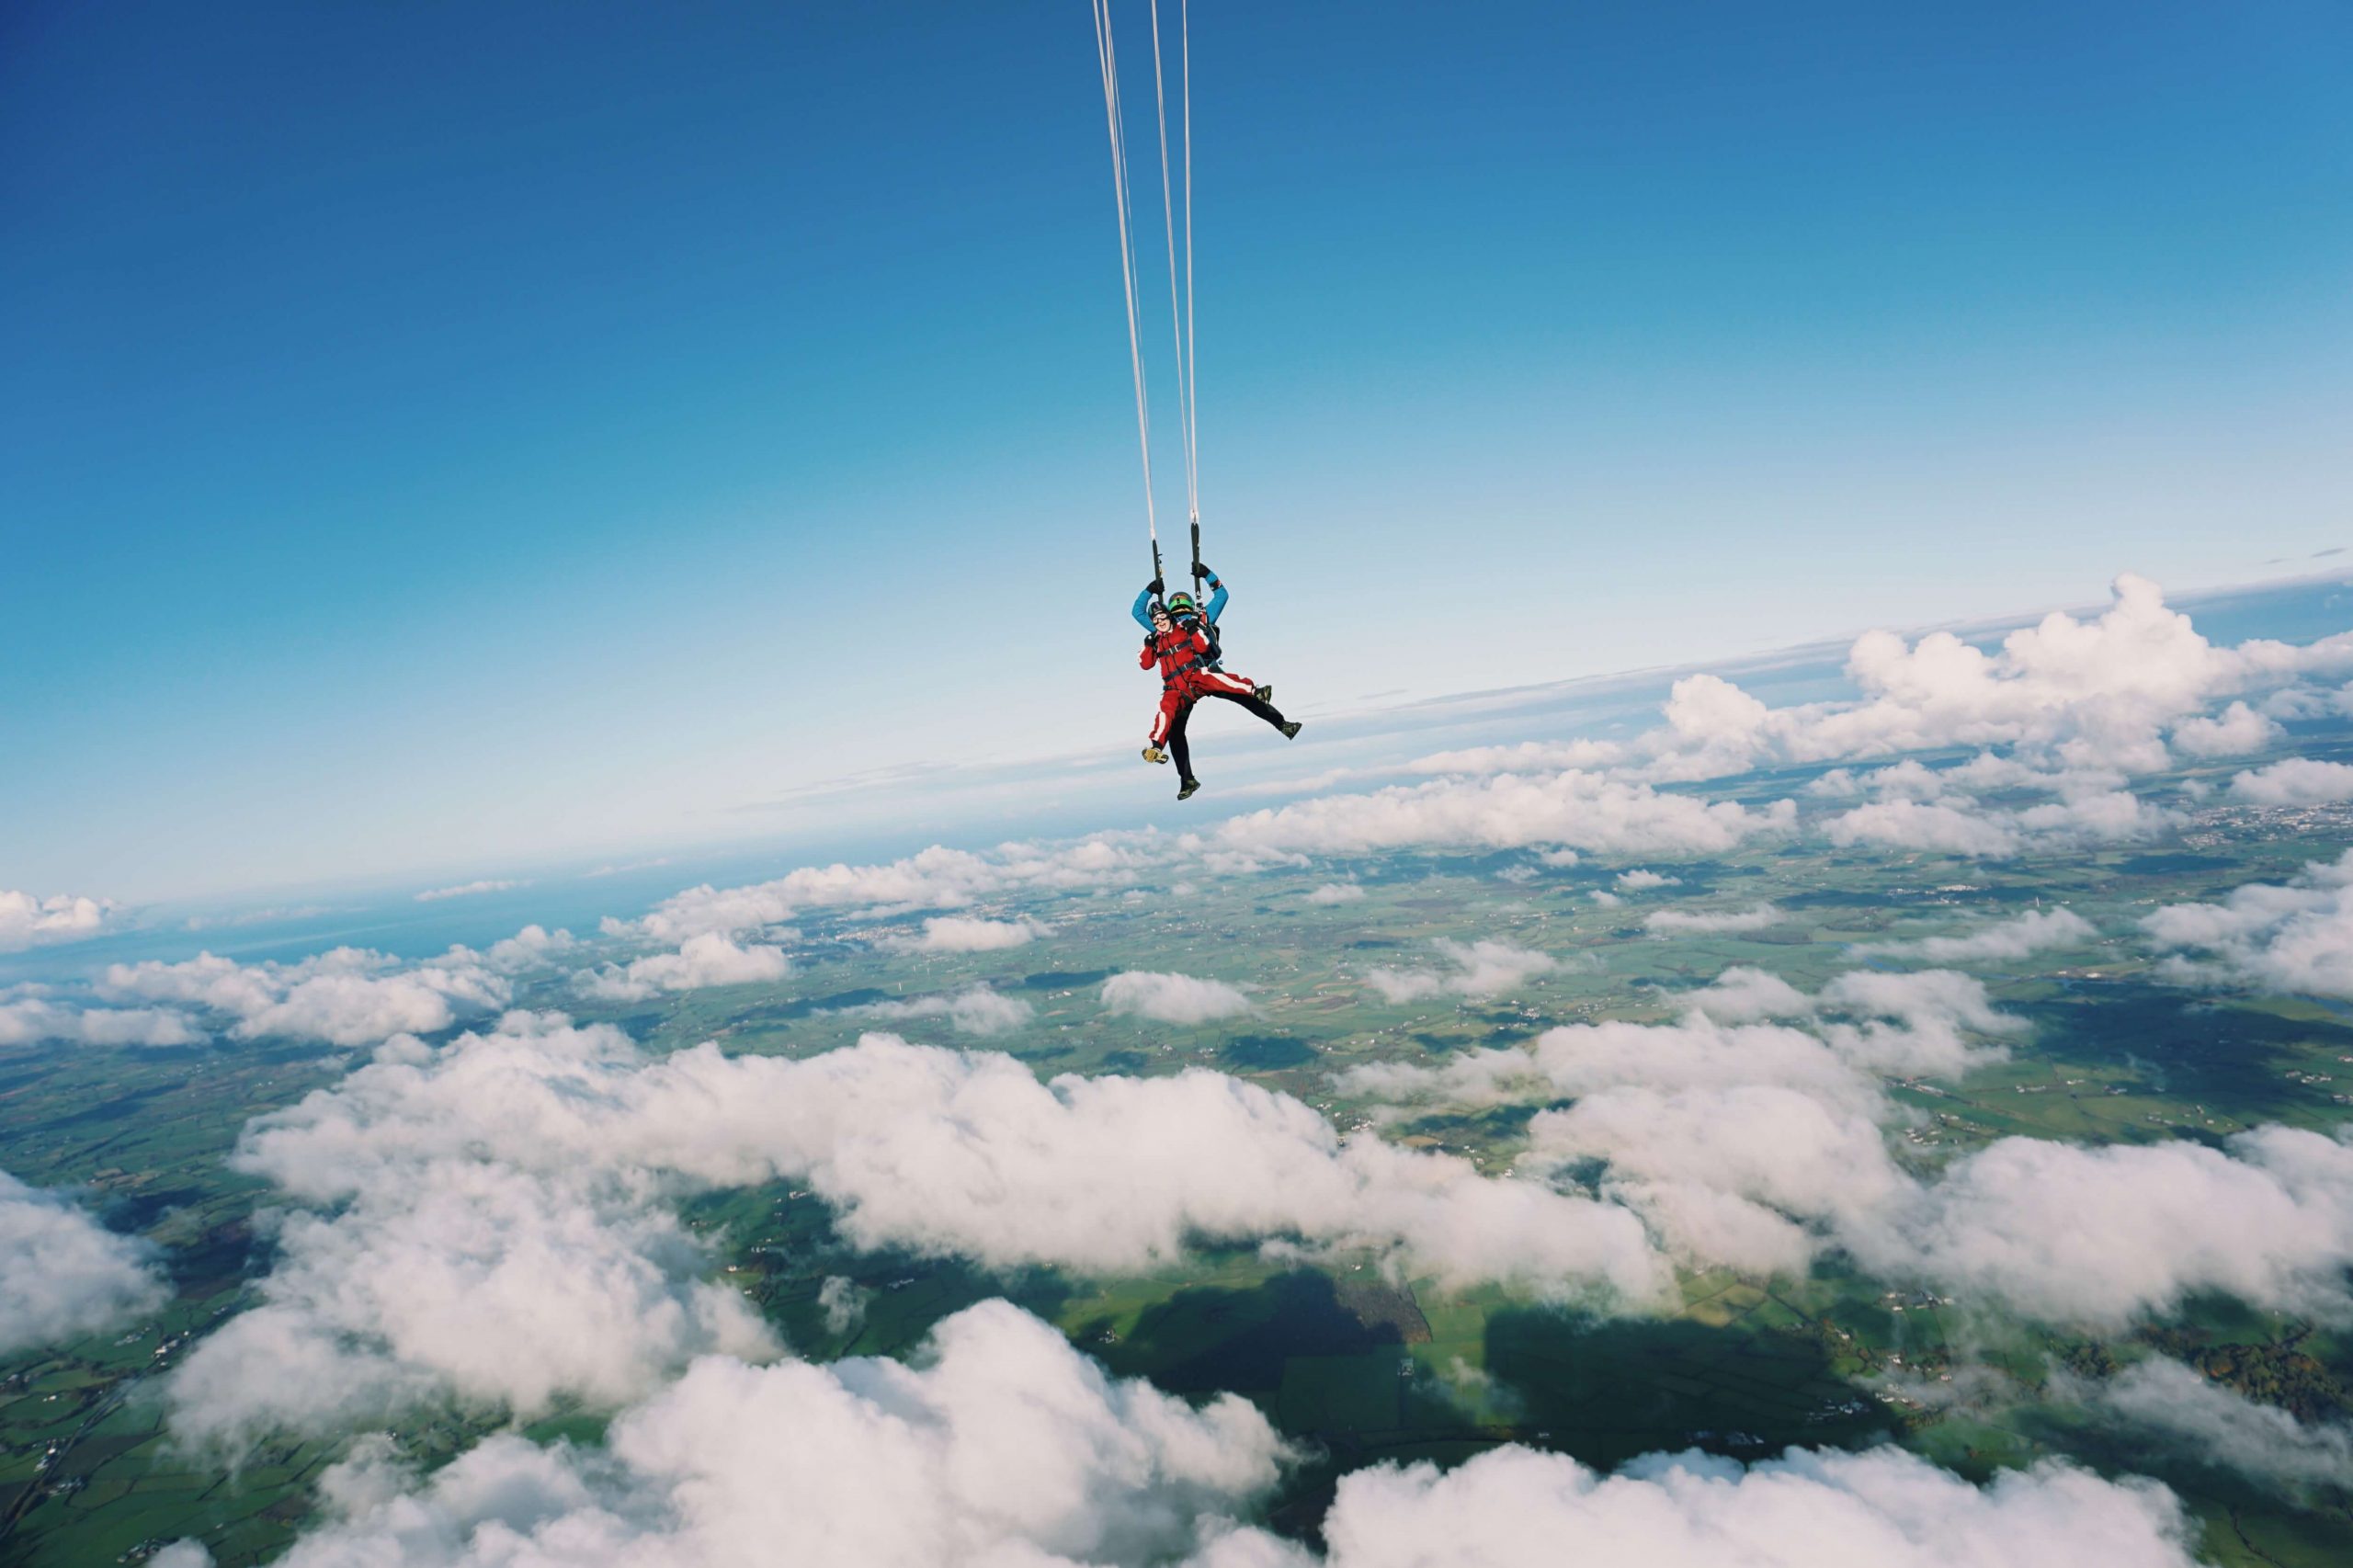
(490, 1218)
(63, 1274)
(348, 996)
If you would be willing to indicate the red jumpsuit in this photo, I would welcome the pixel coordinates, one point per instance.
(1184, 679)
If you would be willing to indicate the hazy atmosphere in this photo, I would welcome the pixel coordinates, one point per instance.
(609, 953)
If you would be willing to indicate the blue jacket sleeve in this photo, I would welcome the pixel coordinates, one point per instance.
(1217, 604)
(1142, 610)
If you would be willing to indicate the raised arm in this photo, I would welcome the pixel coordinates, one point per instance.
(1142, 609)
(1217, 597)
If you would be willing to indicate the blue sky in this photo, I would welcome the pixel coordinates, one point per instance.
(435, 436)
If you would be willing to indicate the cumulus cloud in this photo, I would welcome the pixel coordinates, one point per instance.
(531, 948)
(2295, 937)
(1337, 892)
(1668, 922)
(2299, 781)
(63, 1274)
(347, 996)
(2104, 1236)
(969, 934)
(1920, 808)
(999, 1445)
(1738, 1142)
(1947, 827)
(1755, 1144)
(2234, 731)
(1859, 1027)
(2211, 1424)
(1716, 1171)
(1481, 969)
(485, 1218)
(1640, 880)
(1172, 998)
(1514, 1507)
(700, 964)
(1574, 810)
(2036, 931)
(2081, 694)
(27, 921)
(1002, 1446)
(976, 1010)
(30, 1018)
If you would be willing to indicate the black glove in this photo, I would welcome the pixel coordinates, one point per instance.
(1200, 571)
(1155, 588)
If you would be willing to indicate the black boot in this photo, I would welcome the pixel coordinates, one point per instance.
(1185, 790)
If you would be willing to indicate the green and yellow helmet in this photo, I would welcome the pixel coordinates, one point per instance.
(1182, 605)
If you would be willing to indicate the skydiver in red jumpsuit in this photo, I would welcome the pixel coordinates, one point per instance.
(1178, 637)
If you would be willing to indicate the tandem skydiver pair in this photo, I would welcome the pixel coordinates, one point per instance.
(1180, 636)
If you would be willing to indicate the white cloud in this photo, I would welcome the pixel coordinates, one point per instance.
(976, 1010)
(27, 921)
(1481, 969)
(2081, 694)
(63, 1274)
(475, 1256)
(1000, 1445)
(2234, 731)
(1514, 1507)
(467, 889)
(1670, 921)
(1640, 880)
(2104, 1236)
(1172, 998)
(347, 996)
(2299, 781)
(2213, 1424)
(2101, 1235)
(1605, 898)
(1951, 827)
(700, 964)
(484, 1218)
(1337, 892)
(529, 948)
(843, 1304)
(1575, 809)
(937, 878)
(1715, 1170)
(2295, 938)
(2036, 931)
(969, 934)
(31, 1019)
(1857, 1027)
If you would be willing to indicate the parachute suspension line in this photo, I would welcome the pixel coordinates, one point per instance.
(1192, 393)
(1180, 314)
(1109, 58)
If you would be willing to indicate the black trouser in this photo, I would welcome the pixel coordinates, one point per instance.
(1183, 753)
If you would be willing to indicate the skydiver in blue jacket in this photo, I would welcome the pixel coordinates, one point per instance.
(1180, 636)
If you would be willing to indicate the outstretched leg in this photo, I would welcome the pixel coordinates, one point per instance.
(1242, 694)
